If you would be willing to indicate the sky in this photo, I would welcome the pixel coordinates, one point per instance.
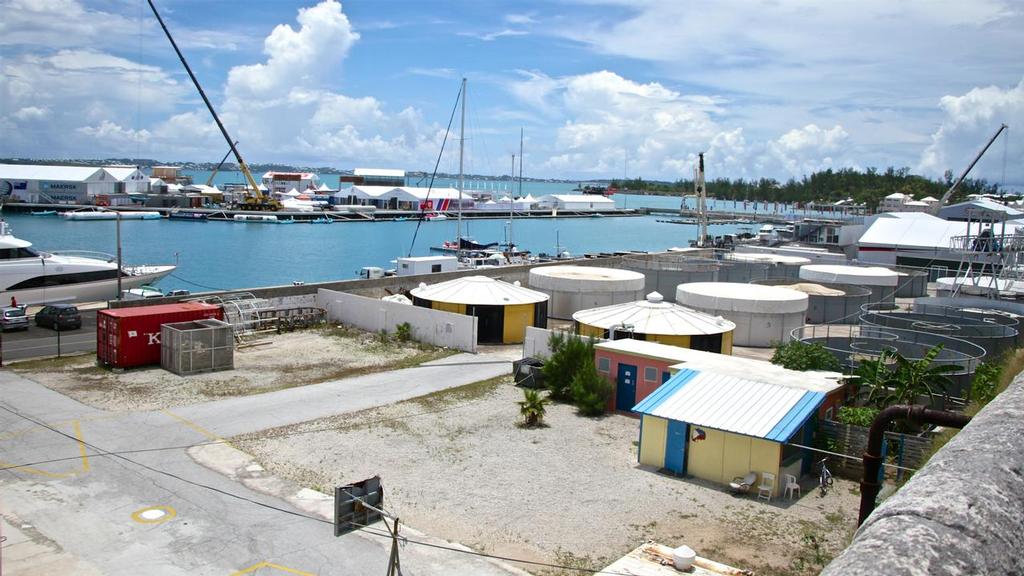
(599, 88)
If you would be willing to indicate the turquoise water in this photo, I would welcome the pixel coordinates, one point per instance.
(228, 255)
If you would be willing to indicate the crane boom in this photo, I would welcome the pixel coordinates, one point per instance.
(241, 163)
(946, 196)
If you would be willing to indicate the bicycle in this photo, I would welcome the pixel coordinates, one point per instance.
(825, 479)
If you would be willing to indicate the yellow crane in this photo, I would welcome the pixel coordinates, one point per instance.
(255, 199)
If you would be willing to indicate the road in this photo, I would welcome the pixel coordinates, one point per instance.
(39, 342)
(91, 512)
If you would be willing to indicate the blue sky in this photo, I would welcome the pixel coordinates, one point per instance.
(602, 88)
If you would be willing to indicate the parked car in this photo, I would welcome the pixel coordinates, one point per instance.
(59, 317)
(13, 318)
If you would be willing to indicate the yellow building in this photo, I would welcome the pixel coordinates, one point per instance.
(503, 310)
(655, 320)
(717, 427)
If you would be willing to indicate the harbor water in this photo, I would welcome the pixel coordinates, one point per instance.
(230, 255)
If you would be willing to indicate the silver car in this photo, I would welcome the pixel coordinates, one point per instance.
(13, 318)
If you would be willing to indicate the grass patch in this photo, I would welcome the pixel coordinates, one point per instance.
(474, 391)
(51, 364)
(1012, 365)
(295, 376)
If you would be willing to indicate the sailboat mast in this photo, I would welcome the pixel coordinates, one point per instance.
(462, 146)
(513, 207)
(702, 206)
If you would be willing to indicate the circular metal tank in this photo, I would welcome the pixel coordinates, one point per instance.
(995, 334)
(666, 271)
(881, 281)
(751, 266)
(764, 315)
(828, 303)
(575, 288)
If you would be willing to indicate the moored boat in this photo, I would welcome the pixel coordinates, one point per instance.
(34, 277)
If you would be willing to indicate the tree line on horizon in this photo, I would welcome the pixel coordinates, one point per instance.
(864, 187)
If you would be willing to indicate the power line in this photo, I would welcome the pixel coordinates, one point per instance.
(368, 529)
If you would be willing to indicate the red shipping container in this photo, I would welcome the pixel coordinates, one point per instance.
(127, 337)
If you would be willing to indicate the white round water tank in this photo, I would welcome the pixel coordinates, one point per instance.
(575, 288)
(764, 315)
(881, 281)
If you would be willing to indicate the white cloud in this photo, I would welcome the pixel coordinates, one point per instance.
(491, 36)
(970, 120)
(295, 57)
(612, 120)
(99, 103)
(520, 19)
(30, 113)
(805, 150)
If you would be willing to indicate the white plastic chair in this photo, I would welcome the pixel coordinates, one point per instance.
(792, 486)
(766, 487)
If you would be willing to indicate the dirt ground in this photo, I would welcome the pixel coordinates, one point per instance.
(287, 360)
(457, 465)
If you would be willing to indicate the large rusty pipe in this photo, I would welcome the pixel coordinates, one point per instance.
(869, 484)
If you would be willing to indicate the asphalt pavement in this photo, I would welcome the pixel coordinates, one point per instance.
(38, 342)
(154, 510)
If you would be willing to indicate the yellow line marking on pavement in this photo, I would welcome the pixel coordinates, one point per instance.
(193, 426)
(162, 514)
(17, 433)
(81, 450)
(266, 564)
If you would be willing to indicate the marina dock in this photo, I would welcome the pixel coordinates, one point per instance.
(325, 216)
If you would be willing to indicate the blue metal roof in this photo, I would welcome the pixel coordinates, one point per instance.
(760, 409)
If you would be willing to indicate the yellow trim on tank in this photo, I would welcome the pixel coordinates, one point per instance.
(517, 318)
(448, 307)
(727, 343)
(588, 330)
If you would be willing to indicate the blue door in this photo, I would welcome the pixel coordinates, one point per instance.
(665, 376)
(625, 389)
(675, 446)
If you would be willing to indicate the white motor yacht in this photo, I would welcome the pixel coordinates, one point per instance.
(34, 277)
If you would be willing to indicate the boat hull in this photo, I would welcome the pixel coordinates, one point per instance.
(97, 291)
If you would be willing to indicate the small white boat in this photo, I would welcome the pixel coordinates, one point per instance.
(435, 217)
(109, 215)
(258, 218)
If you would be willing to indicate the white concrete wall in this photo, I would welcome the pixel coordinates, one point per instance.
(563, 304)
(428, 326)
(535, 343)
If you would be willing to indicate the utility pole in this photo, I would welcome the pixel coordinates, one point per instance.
(118, 254)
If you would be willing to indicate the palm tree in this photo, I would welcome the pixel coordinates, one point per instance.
(532, 407)
(912, 379)
(905, 380)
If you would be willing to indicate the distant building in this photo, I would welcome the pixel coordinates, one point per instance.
(375, 177)
(69, 184)
(899, 202)
(281, 182)
(576, 202)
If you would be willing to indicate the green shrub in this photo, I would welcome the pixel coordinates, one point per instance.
(795, 355)
(857, 415)
(590, 390)
(568, 354)
(985, 385)
(403, 332)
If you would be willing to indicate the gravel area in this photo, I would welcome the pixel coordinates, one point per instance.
(457, 465)
(287, 360)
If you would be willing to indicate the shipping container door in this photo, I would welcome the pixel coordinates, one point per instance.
(625, 388)
(675, 446)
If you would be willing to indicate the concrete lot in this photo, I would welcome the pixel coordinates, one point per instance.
(77, 509)
(456, 465)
